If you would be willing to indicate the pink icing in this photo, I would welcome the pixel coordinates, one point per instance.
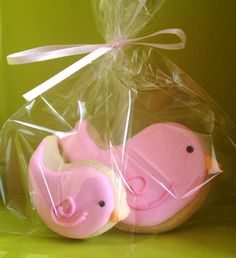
(159, 169)
(68, 201)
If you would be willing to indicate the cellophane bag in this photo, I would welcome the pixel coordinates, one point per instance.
(129, 141)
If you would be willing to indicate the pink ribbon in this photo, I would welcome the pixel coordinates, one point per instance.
(95, 51)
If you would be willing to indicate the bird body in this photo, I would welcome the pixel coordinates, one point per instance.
(163, 167)
(76, 200)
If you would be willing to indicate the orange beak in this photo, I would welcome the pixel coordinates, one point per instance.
(114, 216)
(212, 163)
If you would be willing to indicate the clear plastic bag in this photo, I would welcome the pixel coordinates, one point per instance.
(128, 141)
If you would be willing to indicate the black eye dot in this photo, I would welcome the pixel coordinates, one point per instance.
(101, 203)
(190, 149)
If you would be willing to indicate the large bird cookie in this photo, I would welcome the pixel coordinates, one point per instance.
(165, 171)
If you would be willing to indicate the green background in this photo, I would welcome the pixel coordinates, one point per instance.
(209, 58)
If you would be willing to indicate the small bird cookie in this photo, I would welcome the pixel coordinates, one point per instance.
(77, 200)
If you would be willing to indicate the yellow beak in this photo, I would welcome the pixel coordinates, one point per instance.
(212, 163)
(114, 216)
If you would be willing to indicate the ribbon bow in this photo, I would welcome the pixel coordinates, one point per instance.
(95, 51)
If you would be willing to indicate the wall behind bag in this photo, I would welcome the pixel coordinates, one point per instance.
(209, 57)
(2, 105)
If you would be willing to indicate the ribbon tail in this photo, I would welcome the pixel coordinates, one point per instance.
(50, 52)
(64, 74)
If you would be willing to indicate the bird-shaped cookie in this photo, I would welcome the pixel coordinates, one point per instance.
(164, 171)
(77, 200)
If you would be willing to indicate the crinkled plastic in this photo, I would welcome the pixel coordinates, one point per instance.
(129, 141)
